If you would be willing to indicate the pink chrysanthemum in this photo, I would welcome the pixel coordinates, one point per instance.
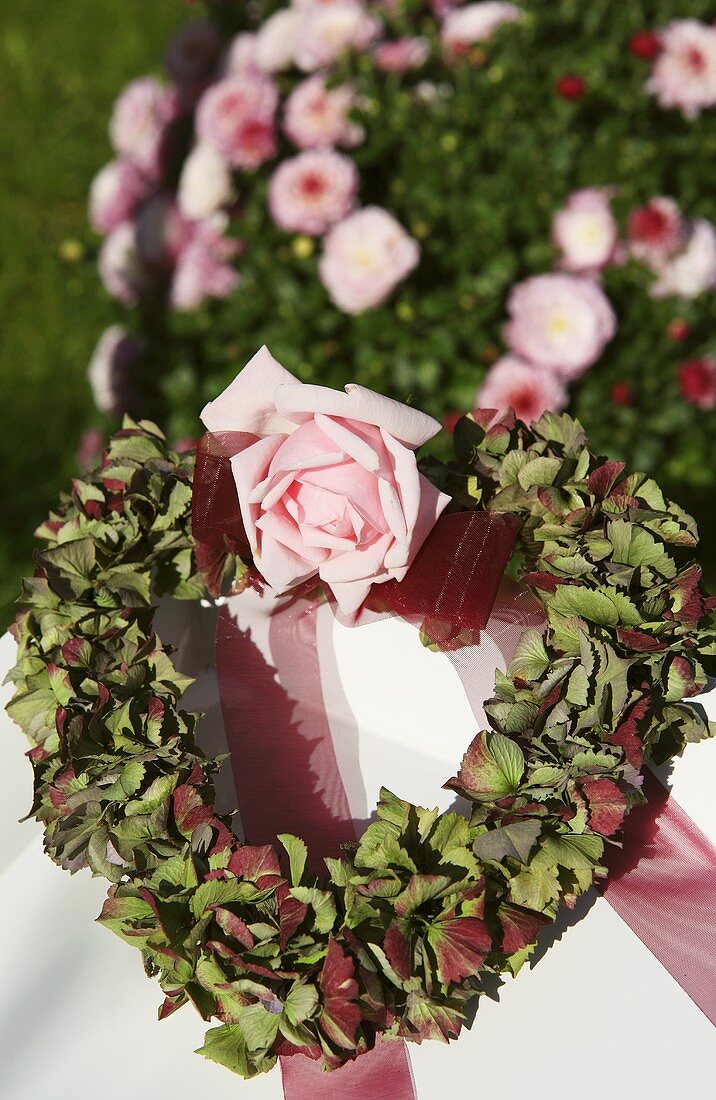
(138, 127)
(513, 383)
(204, 270)
(402, 54)
(697, 382)
(692, 271)
(684, 73)
(465, 26)
(655, 231)
(559, 322)
(310, 192)
(236, 116)
(115, 193)
(365, 257)
(324, 31)
(585, 231)
(316, 117)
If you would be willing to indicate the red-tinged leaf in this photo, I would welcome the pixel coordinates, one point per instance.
(396, 945)
(291, 913)
(189, 809)
(426, 1020)
(113, 485)
(171, 1004)
(233, 926)
(607, 805)
(519, 927)
(340, 1015)
(480, 773)
(546, 582)
(602, 480)
(627, 732)
(76, 651)
(253, 863)
(484, 417)
(460, 947)
(638, 641)
(283, 1049)
(689, 602)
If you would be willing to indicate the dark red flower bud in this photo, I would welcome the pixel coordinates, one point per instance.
(678, 329)
(645, 45)
(570, 86)
(622, 394)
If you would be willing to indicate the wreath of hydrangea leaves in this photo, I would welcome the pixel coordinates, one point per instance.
(399, 935)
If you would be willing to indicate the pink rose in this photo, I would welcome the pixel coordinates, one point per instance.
(365, 257)
(559, 322)
(585, 232)
(331, 487)
(316, 117)
(138, 127)
(236, 116)
(114, 194)
(684, 73)
(512, 383)
(402, 54)
(311, 191)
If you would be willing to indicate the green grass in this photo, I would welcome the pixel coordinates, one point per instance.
(61, 65)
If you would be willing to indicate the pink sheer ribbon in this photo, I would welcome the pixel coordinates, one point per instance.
(662, 883)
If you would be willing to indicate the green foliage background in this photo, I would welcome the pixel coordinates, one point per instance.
(484, 170)
(61, 65)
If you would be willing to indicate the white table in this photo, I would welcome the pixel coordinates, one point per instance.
(597, 1017)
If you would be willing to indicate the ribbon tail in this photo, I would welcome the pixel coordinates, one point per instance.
(384, 1073)
(280, 741)
(663, 885)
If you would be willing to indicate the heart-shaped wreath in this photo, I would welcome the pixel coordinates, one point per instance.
(397, 937)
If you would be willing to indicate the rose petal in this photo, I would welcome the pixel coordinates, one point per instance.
(392, 510)
(363, 563)
(350, 595)
(280, 567)
(404, 423)
(247, 403)
(249, 467)
(432, 504)
(271, 489)
(406, 478)
(282, 529)
(355, 447)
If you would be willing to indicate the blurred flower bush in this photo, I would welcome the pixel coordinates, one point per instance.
(453, 203)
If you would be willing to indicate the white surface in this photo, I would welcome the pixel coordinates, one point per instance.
(586, 1021)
